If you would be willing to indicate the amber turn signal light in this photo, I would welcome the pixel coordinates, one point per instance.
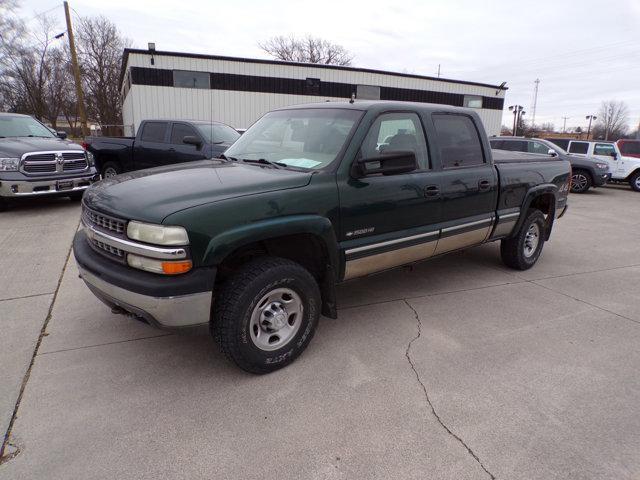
(174, 268)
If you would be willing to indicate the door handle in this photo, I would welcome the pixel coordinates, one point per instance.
(484, 185)
(431, 191)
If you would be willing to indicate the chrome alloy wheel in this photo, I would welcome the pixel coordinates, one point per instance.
(531, 240)
(579, 182)
(276, 319)
(110, 172)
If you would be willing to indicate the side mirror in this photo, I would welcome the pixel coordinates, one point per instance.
(192, 140)
(614, 154)
(62, 135)
(552, 152)
(390, 163)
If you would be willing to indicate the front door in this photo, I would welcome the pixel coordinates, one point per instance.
(183, 152)
(390, 220)
(606, 152)
(151, 149)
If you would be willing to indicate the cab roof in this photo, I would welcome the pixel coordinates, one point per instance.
(380, 105)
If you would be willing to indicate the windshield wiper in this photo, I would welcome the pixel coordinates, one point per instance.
(264, 161)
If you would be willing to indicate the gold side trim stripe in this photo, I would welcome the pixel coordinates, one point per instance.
(391, 242)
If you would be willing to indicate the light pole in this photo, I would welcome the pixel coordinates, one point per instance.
(590, 118)
(517, 116)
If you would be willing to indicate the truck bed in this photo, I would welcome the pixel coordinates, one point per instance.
(506, 156)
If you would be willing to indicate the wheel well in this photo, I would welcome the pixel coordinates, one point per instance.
(105, 158)
(630, 176)
(305, 249)
(546, 203)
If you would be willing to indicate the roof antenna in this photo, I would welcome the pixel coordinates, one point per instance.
(353, 97)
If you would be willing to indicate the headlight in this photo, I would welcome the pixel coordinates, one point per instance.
(157, 234)
(603, 166)
(90, 158)
(159, 266)
(9, 164)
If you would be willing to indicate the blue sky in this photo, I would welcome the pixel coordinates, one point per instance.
(583, 52)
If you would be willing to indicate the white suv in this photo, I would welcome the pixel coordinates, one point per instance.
(622, 168)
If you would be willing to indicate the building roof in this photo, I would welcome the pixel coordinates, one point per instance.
(156, 53)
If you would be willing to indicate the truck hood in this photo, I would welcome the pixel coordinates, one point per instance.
(17, 146)
(153, 194)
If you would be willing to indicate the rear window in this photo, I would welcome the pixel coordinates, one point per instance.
(458, 140)
(578, 147)
(154, 131)
(515, 145)
(630, 148)
(496, 144)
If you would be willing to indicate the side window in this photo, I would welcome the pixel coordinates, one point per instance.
(393, 132)
(603, 149)
(537, 147)
(578, 147)
(154, 132)
(180, 130)
(497, 144)
(187, 79)
(515, 145)
(458, 140)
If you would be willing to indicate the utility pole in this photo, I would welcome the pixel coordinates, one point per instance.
(76, 72)
(535, 102)
(518, 111)
(590, 118)
(564, 125)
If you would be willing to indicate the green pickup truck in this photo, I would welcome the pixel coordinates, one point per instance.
(254, 243)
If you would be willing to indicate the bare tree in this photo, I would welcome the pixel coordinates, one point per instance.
(11, 44)
(613, 119)
(100, 47)
(306, 50)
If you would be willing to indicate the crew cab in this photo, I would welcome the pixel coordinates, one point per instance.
(35, 162)
(254, 243)
(624, 168)
(160, 142)
(585, 172)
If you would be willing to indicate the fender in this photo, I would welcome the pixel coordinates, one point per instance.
(531, 195)
(226, 242)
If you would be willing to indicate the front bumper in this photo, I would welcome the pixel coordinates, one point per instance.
(601, 179)
(23, 187)
(163, 301)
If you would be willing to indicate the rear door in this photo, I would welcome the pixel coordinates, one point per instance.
(468, 182)
(151, 148)
(180, 151)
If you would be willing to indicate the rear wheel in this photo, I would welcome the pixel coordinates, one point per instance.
(580, 181)
(634, 181)
(522, 251)
(111, 169)
(266, 314)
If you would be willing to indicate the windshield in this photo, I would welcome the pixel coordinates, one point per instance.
(217, 132)
(305, 138)
(630, 148)
(14, 126)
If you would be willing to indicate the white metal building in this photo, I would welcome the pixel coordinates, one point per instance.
(237, 91)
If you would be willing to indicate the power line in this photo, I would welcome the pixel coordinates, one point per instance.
(42, 13)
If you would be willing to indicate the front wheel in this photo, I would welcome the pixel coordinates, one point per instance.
(522, 251)
(634, 181)
(580, 181)
(266, 314)
(111, 169)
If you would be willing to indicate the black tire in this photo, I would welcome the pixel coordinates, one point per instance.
(514, 250)
(237, 301)
(4, 205)
(634, 181)
(581, 181)
(110, 169)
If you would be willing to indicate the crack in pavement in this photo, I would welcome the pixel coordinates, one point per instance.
(5, 442)
(25, 296)
(106, 343)
(428, 399)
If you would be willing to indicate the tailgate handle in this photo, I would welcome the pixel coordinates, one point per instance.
(484, 185)
(431, 191)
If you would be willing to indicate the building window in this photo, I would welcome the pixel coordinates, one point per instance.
(472, 101)
(368, 92)
(187, 79)
(312, 86)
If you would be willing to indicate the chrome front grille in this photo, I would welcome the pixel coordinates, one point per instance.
(107, 248)
(54, 162)
(104, 222)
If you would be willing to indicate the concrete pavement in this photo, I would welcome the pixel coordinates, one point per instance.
(457, 368)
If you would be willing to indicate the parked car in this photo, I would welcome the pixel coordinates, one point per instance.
(36, 162)
(624, 168)
(586, 172)
(254, 243)
(629, 148)
(160, 142)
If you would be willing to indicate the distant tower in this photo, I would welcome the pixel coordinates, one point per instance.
(535, 102)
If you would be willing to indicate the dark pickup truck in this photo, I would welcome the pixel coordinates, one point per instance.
(254, 243)
(160, 142)
(35, 162)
